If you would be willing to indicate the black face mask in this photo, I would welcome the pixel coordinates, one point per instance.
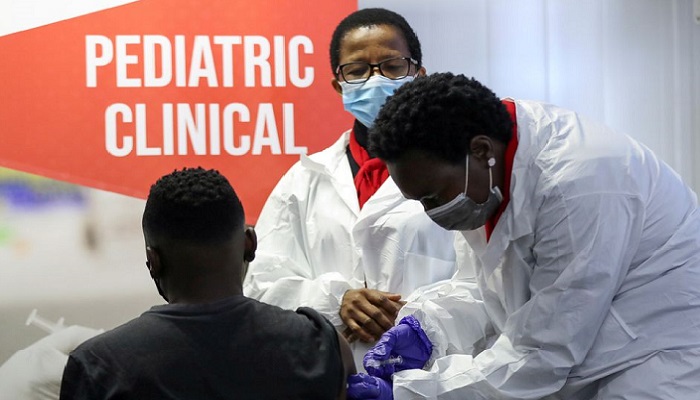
(157, 282)
(463, 213)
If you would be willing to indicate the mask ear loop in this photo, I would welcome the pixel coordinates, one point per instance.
(466, 176)
(491, 162)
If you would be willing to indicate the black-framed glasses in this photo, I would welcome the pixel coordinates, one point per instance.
(359, 72)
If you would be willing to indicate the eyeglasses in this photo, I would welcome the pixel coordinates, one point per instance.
(359, 72)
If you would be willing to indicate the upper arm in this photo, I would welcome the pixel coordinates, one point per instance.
(577, 238)
(74, 382)
(280, 235)
(582, 251)
(281, 212)
(348, 363)
(327, 352)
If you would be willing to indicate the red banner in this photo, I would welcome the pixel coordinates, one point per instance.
(117, 98)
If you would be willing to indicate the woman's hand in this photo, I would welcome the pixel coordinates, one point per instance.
(368, 313)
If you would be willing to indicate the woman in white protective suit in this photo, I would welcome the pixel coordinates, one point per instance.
(336, 234)
(585, 246)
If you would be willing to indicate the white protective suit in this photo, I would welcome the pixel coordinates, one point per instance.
(35, 373)
(590, 282)
(314, 242)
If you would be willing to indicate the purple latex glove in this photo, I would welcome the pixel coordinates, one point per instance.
(363, 386)
(404, 346)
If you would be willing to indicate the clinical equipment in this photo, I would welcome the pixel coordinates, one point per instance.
(390, 360)
(43, 323)
(407, 342)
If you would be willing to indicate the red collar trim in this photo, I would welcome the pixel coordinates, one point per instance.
(509, 157)
(372, 172)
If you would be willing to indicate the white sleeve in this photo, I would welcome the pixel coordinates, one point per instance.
(452, 312)
(584, 245)
(35, 372)
(281, 273)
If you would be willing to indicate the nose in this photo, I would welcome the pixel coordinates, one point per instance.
(375, 71)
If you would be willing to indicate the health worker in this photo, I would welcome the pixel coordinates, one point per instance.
(586, 250)
(336, 234)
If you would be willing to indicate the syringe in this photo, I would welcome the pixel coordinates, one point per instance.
(43, 323)
(391, 360)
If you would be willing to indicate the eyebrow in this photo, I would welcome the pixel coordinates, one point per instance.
(367, 62)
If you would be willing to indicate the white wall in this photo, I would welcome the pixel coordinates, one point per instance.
(83, 261)
(633, 64)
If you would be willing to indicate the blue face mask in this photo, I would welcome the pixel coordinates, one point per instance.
(364, 100)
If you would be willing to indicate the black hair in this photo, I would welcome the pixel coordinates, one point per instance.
(438, 114)
(193, 205)
(373, 17)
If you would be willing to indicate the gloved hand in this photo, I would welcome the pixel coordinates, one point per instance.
(407, 340)
(35, 372)
(363, 386)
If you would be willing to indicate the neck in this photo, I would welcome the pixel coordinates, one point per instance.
(195, 273)
(204, 282)
(361, 134)
(205, 289)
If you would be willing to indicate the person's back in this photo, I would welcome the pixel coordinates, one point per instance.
(235, 348)
(652, 270)
(210, 341)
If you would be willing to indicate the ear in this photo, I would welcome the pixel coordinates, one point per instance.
(481, 147)
(153, 262)
(251, 244)
(336, 85)
(422, 71)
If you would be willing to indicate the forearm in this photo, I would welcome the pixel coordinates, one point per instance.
(452, 315)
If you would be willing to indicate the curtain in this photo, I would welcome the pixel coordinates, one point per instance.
(632, 64)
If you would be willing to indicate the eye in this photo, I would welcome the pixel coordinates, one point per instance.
(395, 68)
(353, 71)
